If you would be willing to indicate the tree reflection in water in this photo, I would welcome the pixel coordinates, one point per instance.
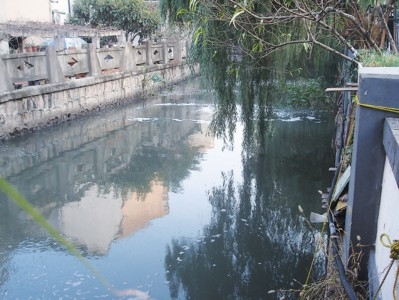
(257, 241)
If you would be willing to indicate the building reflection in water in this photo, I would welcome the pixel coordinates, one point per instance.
(100, 182)
(138, 210)
(100, 218)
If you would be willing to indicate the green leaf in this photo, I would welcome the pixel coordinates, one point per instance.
(181, 11)
(197, 34)
(307, 46)
(193, 5)
(236, 14)
(258, 47)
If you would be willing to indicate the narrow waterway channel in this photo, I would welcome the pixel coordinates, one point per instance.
(158, 206)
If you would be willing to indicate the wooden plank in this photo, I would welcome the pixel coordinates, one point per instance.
(342, 89)
(352, 84)
(342, 182)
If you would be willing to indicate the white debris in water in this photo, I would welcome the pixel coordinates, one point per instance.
(80, 293)
(294, 119)
(76, 273)
(176, 104)
(177, 120)
(202, 121)
(141, 119)
(38, 276)
(102, 296)
(310, 118)
(77, 283)
(212, 240)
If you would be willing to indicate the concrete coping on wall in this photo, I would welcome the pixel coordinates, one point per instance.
(76, 83)
(379, 72)
(391, 144)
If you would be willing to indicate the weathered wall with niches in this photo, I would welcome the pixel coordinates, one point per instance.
(43, 88)
(33, 107)
(55, 66)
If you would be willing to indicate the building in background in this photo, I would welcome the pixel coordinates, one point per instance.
(61, 10)
(25, 10)
(26, 26)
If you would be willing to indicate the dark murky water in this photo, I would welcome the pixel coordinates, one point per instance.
(157, 206)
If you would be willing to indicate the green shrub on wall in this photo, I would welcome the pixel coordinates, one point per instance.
(370, 58)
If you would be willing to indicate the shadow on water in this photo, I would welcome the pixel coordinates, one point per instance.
(102, 179)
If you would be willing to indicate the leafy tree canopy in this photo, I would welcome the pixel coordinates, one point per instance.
(238, 56)
(132, 16)
(255, 46)
(263, 27)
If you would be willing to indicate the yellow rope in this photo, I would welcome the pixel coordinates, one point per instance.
(378, 107)
(394, 255)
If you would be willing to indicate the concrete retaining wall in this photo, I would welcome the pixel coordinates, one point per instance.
(373, 202)
(37, 106)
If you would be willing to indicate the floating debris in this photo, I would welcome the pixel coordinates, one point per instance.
(317, 218)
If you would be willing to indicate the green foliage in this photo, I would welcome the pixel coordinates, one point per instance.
(239, 55)
(132, 16)
(306, 93)
(174, 11)
(369, 58)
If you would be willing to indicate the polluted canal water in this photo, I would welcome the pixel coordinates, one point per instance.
(161, 209)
